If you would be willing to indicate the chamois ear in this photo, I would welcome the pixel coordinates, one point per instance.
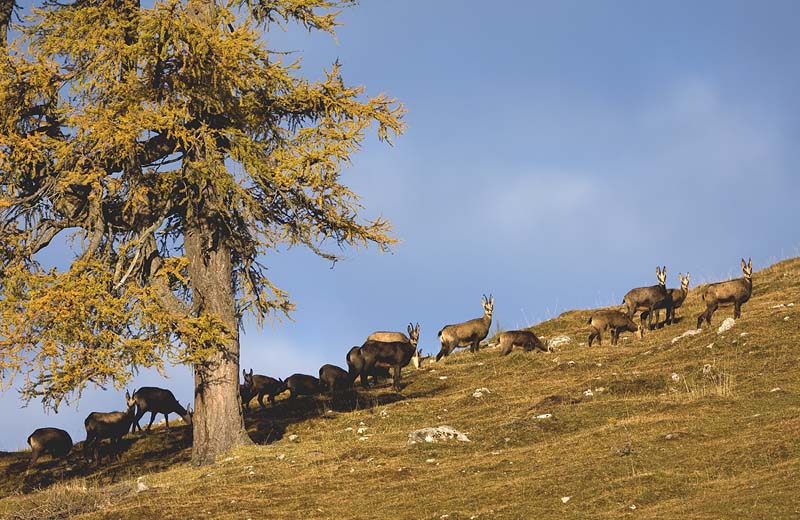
(743, 263)
(244, 372)
(750, 263)
(410, 328)
(658, 271)
(687, 276)
(417, 328)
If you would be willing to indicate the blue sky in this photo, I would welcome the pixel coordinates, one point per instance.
(555, 154)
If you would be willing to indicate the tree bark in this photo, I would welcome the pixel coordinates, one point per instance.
(218, 423)
(6, 11)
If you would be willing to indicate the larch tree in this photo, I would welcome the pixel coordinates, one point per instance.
(175, 150)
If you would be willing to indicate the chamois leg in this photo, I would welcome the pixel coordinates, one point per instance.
(737, 310)
(166, 419)
(594, 334)
(261, 400)
(34, 455)
(139, 415)
(152, 418)
(396, 378)
(506, 348)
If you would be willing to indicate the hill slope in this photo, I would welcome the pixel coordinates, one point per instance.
(705, 427)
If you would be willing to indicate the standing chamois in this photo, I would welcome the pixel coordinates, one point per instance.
(396, 354)
(736, 291)
(54, 441)
(302, 384)
(676, 297)
(519, 338)
(467, 334)
(108, 425)
(158, 400)
(614, 320)
(649, 298)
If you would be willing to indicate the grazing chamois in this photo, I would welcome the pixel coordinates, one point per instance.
(614, 320)
(736, 291)
(649, 298)
(396, 354)
(334, 378)
(261, 385)
(677, 296)
(355, 362)
(467, 334)
(519, 338)
(302, 384)
(108, 425)
(54, 441)
(158, 400)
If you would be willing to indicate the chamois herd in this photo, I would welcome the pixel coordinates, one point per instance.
(383, 351)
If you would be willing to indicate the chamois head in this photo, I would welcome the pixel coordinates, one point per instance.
(130, 401)
(248, 378)
(747, 268)
(661, 274)
(413, 333)
(684, 281)
(488, 305)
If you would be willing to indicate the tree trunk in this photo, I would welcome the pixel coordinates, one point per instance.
(6, 11)
(218, 424)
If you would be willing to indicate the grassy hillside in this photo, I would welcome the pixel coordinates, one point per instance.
(706, 427)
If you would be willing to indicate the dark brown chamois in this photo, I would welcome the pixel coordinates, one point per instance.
(467, 334)
(158, 400)
(649, 298)
(54, 441)
(355, 363)
(108, 425)
(396, 354)
(519, 338)
(302, 384)
(736, 291)
(614, 320)
(262, 385)
(334, 379)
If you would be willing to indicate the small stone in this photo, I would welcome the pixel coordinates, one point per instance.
(707, 369)
(776, 389)
(790, 304)
(743, 334)
(544, 416)
(252, 473)
(588, 392)
(141, 486)
(675, 377)
(442, 377)
(281, 456)
(430, 461)
(632, 507)
(365, 438)
(293, 437)
(726, 325)
(692, 332)
(786, 318)
(496, 453)
(565, 499)
(571, 364)
(361, 430)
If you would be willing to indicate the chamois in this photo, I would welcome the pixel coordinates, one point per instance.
(677, 296)
(355, 362)
(54, 441)
(334, 378)
(158, 400)
(648, 298)
(108, 425)
(262, 385)
(736, 291)
(395, 336)
(246, 394)
(614, 320)
(519, 338)
(302, 384)
(394, 353)
(467, 334)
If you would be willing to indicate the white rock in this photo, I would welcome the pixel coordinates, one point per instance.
(141, 486)
(565, 499)
(571, 364)
(557, 342)
(707, 369)
(743, 334)
(384, 413)
(588, 392)
(790, 305)
(281, 456)
(430, 461)
(365, 438)
(544, 416)
(786, 318)
(776, 389)
(293, 437)
(442, 377)
(692, 332)
(362, 430)
(480, 392)
(675, 377)
(436, 434)
(778, 306)
(726, 325)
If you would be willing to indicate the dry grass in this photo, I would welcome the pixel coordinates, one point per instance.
(719, 439)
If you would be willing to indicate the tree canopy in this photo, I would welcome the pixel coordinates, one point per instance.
(176, 150)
